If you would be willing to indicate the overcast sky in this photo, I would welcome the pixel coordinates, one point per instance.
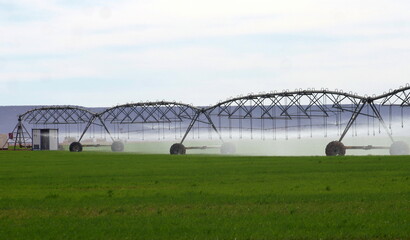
(103, 53)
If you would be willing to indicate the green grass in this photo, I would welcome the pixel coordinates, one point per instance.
(91, 195)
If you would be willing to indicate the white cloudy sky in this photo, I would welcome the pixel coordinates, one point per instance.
(103, 53)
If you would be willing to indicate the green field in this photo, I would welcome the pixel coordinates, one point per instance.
(91, 195)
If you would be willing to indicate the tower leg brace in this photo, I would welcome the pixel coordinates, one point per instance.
(355, 114)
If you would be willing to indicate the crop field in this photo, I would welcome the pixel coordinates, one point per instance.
(96, 195)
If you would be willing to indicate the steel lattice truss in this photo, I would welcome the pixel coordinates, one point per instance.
(284, 105)
(399, 97)
(149, 112)
(58, 115)
(288, 105)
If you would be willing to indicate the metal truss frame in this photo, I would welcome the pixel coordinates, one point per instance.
(156, 112)
(307, 104)
(287, 105)
(57, 115)
(52, 115)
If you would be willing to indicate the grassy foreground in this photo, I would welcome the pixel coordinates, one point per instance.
(91, 195)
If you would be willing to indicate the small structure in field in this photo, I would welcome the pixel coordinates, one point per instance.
(45, 139)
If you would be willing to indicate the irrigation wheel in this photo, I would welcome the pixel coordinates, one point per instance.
(399, 148)
(76, 147)
(117, 146)
(228, 148)
(177, 149)
(335, 148)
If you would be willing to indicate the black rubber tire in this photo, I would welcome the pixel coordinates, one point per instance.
(228, 148)
(117, 146)
(335, 148)
(399, 148)
(76, 147)
(177, 149)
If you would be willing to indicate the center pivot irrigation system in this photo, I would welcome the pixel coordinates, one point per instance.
(267, 115)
